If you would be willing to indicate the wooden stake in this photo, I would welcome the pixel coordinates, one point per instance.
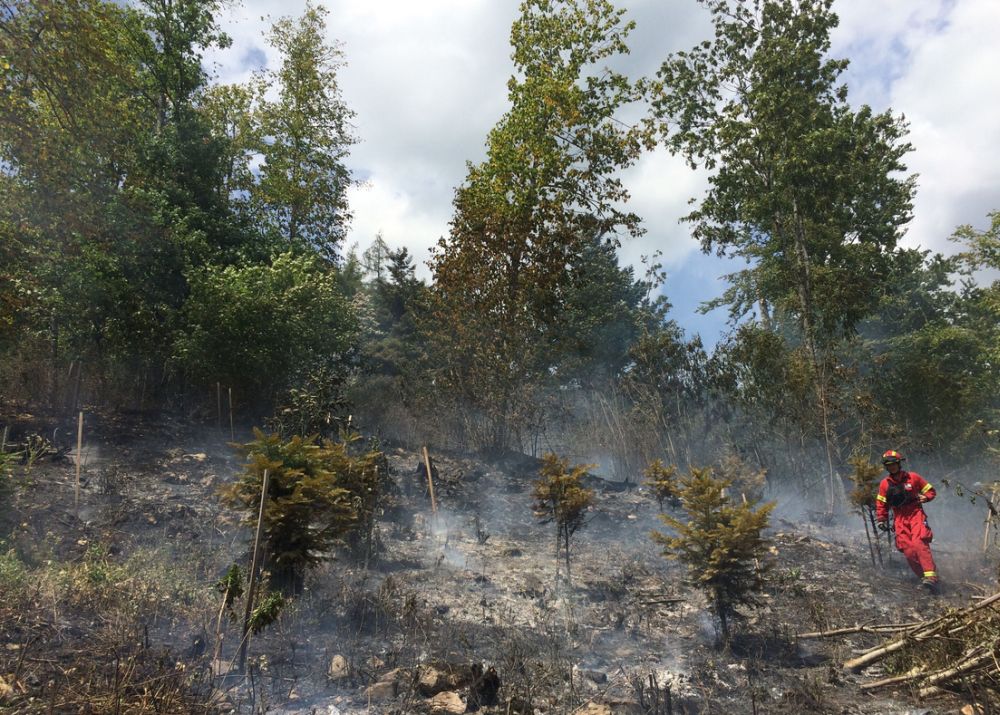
(3, 442)
(232, 432)
(253, 574)
(219, 634)
(218, 398)
(989, 518)
(430, 480)
(76, 386)
(79, 459)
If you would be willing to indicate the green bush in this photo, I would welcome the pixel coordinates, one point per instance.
(721, 543)
(253, 327)
(317, 493)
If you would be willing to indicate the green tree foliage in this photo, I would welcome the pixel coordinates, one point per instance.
(805, 189)
(982, 252)
(720, 542)
(127, 185)
(392, 385)
(110, 172)
(561, 498)
(67, 145)
(930, 346)
(662, 481)
(255, 326)
(317, 493)
(306, 137)
(532, 215)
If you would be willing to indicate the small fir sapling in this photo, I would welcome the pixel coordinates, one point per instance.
(662, 481)
(318, 493)
(721, 543)
(266, 612)
(560, 497)
(231, 588)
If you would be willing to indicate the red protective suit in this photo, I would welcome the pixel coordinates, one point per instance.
(913, 534)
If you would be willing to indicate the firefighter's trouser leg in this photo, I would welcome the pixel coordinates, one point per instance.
(913, 538)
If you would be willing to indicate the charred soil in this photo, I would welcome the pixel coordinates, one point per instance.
(109, 605)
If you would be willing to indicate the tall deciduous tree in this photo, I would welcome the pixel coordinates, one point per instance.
(307, 135)
(804, 188)
(531, 214)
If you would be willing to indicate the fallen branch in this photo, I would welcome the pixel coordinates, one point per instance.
(971, 663)
(887, 628)
(894, 680)
(918, 634)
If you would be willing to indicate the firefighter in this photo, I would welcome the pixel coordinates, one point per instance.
(906, 493)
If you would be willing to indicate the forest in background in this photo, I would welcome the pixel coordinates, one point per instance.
(163, 236)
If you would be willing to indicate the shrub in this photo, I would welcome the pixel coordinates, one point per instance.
(254, 326)
(317, 493)
(720, 543)
(561, 498)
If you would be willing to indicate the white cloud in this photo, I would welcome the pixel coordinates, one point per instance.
(661, 186)
(428, 81)
(934, 62)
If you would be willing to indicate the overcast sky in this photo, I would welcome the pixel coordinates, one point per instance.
(428, 81)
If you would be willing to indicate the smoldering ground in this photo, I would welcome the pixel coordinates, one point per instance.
(476, 582)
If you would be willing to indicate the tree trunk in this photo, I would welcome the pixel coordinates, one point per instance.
(835, 490)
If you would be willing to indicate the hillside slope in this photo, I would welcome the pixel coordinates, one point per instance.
(114, 610)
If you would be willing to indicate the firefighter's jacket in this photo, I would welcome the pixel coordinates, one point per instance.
(900, 493)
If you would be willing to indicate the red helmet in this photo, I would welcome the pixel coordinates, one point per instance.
(892, 457)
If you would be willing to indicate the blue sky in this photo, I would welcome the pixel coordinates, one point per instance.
(427, 81)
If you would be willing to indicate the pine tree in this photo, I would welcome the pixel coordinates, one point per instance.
(318, 493)
(720, 543)
(560, 497)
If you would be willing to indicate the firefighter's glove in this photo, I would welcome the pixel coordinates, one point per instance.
(921, 498)
(883, 525)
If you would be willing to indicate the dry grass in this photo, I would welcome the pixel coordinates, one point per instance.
(89, 636)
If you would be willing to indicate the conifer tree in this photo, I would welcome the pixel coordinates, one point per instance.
(662, 480)
(720, 542)
(560, 497)
(317, 494)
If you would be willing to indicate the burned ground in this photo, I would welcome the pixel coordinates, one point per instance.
(111, 607)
